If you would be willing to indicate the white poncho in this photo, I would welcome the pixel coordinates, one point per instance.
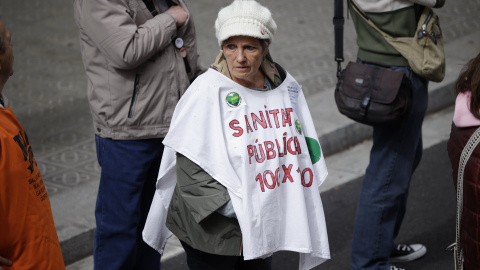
(262, 146)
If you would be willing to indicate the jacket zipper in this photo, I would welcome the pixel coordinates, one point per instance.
(135, 92)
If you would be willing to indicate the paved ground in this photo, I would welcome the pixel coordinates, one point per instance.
(429, 220)
(48, 95)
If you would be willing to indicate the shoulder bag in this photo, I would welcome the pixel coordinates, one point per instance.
(368, 93)
(424, 51)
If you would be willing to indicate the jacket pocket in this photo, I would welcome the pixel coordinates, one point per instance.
(136, 86)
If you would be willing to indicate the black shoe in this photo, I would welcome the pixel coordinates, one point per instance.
(407, 253)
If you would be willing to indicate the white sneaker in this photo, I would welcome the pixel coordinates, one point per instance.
(407, 253)
(392, 267)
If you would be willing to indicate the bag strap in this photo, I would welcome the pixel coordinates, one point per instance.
(421, 33)
(338, 22)
(158, 6)
(362, 14)
(466, 153)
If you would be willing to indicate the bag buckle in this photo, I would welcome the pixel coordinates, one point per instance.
(451, 247)
(364, 106)
(365, 103)
(422, 32)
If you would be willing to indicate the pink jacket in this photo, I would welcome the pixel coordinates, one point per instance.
(462, 116)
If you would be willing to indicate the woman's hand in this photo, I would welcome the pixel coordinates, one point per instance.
(179, 14)
(4, 261)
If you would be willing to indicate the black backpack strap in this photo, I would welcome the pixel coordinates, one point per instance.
(158, 6)
(150, 7)
(338, 22)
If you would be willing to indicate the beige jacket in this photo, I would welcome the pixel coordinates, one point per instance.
(135, 73)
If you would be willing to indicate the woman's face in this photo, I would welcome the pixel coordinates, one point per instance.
(244, 56)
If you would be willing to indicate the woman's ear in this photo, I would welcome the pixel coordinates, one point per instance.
(265, 53)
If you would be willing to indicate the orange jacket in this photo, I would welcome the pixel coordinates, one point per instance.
(27, 231)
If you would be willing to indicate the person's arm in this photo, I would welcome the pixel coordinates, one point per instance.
(178, 14)
(187, 33)
(4, 261)
(111, 26)
(3, 175)
(430, 3)
(202, 194)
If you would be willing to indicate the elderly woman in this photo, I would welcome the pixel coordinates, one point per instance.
(242, 166)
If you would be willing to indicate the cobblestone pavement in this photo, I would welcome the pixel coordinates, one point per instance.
(48, 89)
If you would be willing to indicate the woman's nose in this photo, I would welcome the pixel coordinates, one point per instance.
(240, 56)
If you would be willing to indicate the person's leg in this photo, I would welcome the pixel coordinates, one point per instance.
(125, 166)
(403, 203)
(420, 95)
(199, 260)
(394, 156)
(147, 257)
(256, 264)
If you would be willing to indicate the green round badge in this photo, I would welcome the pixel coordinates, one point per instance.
(298, 127)
(233, 99)
(314, 149)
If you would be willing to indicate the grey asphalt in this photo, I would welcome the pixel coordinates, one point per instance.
(48, 95)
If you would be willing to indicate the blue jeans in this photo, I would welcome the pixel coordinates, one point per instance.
(127, 185)
(395, 154)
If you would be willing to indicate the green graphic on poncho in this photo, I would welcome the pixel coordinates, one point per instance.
(314, 149)
(233, 99)
(298, 127)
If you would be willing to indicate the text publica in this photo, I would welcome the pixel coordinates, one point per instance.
(272, 148)
(268, 119)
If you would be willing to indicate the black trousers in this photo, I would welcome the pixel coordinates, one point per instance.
(199, 260)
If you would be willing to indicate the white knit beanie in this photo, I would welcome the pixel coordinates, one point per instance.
(244, 18)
